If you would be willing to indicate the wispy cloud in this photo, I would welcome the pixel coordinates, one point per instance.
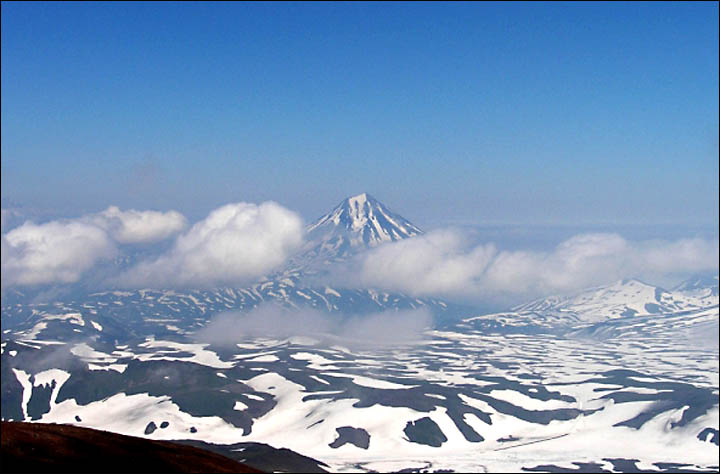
(385, 328)
(10, 218)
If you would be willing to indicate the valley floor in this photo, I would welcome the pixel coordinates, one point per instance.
(459, 399)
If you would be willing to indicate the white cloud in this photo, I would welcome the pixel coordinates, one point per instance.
(131, 226)
(57, 251)
(441, 263)
(234, 244)
(581, 261)
(684, 255)
(61, 251)
(436, 262)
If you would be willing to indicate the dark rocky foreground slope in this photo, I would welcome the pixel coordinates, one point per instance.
(39, 447)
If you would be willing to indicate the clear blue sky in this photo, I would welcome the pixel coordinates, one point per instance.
(448, 113)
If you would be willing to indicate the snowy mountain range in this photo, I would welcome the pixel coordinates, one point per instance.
(617, 378)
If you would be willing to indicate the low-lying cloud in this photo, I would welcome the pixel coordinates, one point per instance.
(385, 328)
(235, 244)
(442, 263)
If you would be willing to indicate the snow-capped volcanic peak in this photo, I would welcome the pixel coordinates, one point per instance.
(361, 221)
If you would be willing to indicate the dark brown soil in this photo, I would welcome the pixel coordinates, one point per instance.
(39, 447)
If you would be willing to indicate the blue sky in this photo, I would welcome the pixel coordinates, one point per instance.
(590, 114)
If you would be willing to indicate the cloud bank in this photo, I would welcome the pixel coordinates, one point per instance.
(386, 328)
(442, 263)
(61, 251)
(240, 242)
(235, 244)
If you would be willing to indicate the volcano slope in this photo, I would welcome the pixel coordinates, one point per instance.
(40, 447)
